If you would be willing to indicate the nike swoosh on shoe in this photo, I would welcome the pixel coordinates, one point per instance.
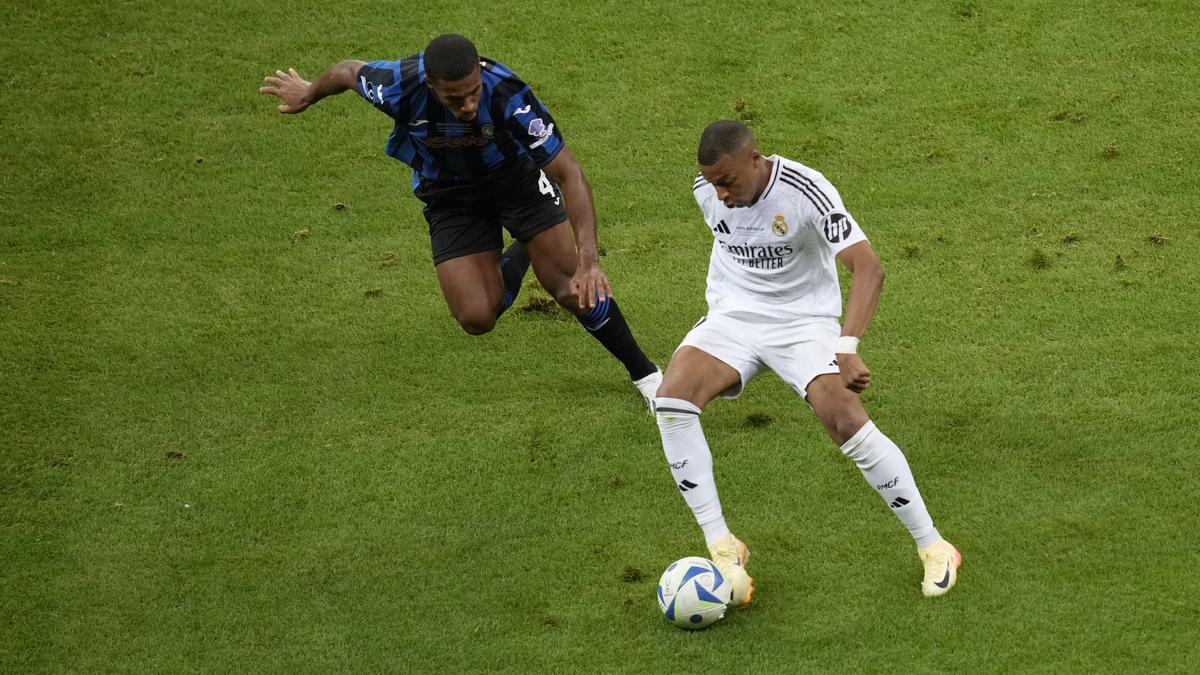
(945, 580)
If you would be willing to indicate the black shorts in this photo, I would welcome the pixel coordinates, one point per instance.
(466, 219)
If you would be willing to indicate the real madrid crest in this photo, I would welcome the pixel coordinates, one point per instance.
(779, 227)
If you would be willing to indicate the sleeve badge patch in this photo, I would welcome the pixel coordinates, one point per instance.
(538, 128)
(837, 227)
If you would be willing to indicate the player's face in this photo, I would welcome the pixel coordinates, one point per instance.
(737, 176)
(460, 97)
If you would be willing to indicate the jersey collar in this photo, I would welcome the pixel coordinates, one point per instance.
(775, 166)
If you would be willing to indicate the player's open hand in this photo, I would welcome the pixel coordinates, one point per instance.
(855, 375)
(590, 286)
(290, 88)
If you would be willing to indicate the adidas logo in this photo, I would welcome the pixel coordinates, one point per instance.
(686, 485)
(721, 228)
(898, 502)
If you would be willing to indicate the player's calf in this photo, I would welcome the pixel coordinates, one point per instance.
(606, 323)
(514, 262)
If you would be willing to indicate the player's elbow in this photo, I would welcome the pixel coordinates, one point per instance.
(880, 275)
(564, 169)
(869, 273)
(347, 72)
(873, 269)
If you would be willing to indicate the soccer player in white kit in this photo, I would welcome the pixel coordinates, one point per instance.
(774, 302)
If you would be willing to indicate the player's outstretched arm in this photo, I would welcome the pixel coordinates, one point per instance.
(589, 284)
(298, 94)
(866, 282)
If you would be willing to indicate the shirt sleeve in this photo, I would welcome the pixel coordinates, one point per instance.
(379, 83)
(829, 216)
(532, 127)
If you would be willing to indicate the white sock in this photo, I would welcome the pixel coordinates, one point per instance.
(885, 468)
(691, 463)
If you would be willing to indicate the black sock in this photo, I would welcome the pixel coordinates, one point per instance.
(606, 323)
(514, 261)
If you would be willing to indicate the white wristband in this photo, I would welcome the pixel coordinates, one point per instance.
(846, 344)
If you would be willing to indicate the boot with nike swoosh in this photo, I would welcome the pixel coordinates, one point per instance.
(941, 561)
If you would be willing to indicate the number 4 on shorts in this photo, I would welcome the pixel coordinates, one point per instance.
(546, 187)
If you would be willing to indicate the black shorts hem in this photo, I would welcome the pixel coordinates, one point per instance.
(440, 257)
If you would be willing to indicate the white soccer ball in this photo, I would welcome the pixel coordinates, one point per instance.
(693, 593)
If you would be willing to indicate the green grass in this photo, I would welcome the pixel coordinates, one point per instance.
(227, 446)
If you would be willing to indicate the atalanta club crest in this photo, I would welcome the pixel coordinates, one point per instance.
(780, 226)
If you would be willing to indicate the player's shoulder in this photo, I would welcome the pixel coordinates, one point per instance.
(392, 85)
(394, 76)
(800, 182)
(493, 68)
(502, 87)
(702, 190)
(498, 74)
(397, 66)
(797, 170)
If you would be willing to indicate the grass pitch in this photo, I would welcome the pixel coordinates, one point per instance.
(240, 430)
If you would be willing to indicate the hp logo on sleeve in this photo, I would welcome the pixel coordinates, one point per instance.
(837, 227)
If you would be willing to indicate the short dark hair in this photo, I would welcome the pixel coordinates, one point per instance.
(450, 58)
(721, 138)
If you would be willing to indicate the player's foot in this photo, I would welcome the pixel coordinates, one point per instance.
(648, 386)
(731, 556)
(941, 562)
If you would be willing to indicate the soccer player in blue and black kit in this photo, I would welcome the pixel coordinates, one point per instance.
(486, 154)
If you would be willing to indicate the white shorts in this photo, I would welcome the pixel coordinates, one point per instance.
(798, 351)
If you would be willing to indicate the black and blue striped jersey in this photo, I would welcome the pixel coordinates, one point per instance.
(511, 123)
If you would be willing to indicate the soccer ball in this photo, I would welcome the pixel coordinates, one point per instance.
(693, 593)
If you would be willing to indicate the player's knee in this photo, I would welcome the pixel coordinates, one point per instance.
(846, 424)
(674, 385)
(670, 389)
(477, 328)
(566, 299)
(476, 322)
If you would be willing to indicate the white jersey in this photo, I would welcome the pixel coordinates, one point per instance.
(776, 258)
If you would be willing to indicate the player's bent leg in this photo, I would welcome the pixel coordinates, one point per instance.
(474, 290)
(694, 378)
(839, 409)
(885, 468)
(697, 377)
(552, 252)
